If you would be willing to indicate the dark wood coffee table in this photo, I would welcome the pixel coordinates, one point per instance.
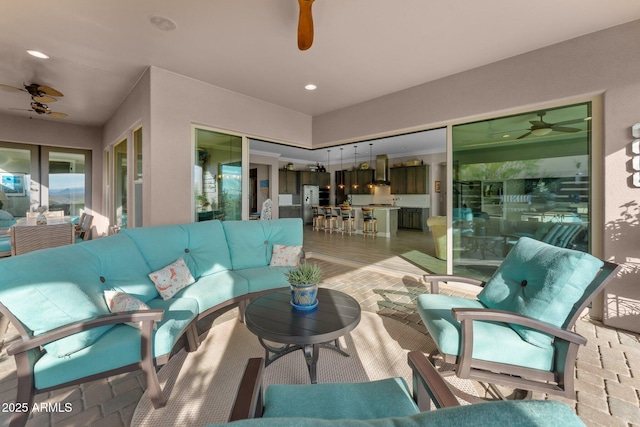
(272, 318)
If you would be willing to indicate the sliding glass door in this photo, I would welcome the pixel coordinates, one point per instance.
(32, 176)
(522, 175)
(217, 175)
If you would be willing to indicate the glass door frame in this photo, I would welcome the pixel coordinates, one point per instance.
(134, 177)
(45, 152)
(596, 164)
(245, 201)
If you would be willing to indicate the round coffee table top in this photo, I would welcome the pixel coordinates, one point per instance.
(272, 317)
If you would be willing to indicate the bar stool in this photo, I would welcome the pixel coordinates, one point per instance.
(369, 222)
(318, 218)
(348, 220)
(330, 220)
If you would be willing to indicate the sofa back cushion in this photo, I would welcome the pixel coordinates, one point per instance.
(202, 245)
(251, 242)
(247, 243)
(541, 281)
(121, 266)
(54, 287)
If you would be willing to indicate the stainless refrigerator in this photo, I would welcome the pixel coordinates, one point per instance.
(310, 197)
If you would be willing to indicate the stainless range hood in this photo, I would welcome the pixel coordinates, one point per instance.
(382, 170)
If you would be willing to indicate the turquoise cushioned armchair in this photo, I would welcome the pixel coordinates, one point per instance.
(387, 402)
(518, 333)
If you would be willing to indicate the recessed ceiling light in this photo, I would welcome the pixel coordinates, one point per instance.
(37, 54)
(311, 86)
(162, 23)
(506, 135)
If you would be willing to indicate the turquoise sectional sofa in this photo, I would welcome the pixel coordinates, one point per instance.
(55, 298)
(5, 240)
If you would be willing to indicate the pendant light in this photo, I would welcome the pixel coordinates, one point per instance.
(341, 184)
(329, 169)
(355, 161)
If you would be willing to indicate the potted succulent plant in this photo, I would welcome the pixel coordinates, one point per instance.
(304, 285)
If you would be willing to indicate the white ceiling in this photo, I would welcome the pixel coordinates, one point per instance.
(362, 49)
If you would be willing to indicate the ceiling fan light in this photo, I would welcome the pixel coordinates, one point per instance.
(541, 131)
(38, 54)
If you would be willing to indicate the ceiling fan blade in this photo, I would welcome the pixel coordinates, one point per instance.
(569, 122)
(56, 115)
(44, 99)
(539, 124)
(11, 87)
(49, 91)
(564, 129)
(524, 136)
(305, 25)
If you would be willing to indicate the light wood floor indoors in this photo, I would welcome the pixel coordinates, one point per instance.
(377, 253)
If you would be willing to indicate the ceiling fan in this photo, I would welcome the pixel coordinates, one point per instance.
(39, 93)
(41, 108)
(40, 96)
(305, 25)
(541, 128)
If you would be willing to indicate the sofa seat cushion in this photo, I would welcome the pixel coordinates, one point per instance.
(63, 284)
(523, 413)
(435, 311)
(5, 244)
(540, 281)
(336, 401)
(265, 278)
(119, 346)
(121, 266)
(215, 289)
(202, 245)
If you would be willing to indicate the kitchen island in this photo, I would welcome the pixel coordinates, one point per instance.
(387, 217)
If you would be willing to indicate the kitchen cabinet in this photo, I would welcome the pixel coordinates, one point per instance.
(409, 180)
(321, 179)
(413, 218)
(290, 211)
(288, 182)
(358, 182)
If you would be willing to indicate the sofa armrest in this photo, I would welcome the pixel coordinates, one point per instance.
(248, 400)
(435, 279)
(427, 380)
(147, 317)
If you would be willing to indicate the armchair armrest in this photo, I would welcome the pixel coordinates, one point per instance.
(427, 380)
(248, 400)
(434, 279)
(468, 315)
(147, 317)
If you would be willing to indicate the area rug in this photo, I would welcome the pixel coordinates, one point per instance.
(200, 386)
(425, 262)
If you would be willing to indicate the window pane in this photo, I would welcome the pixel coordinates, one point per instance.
(218, 176)
(67, 182)
(137, 184)
(120, 184)
(523, 175)
(15, 181)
